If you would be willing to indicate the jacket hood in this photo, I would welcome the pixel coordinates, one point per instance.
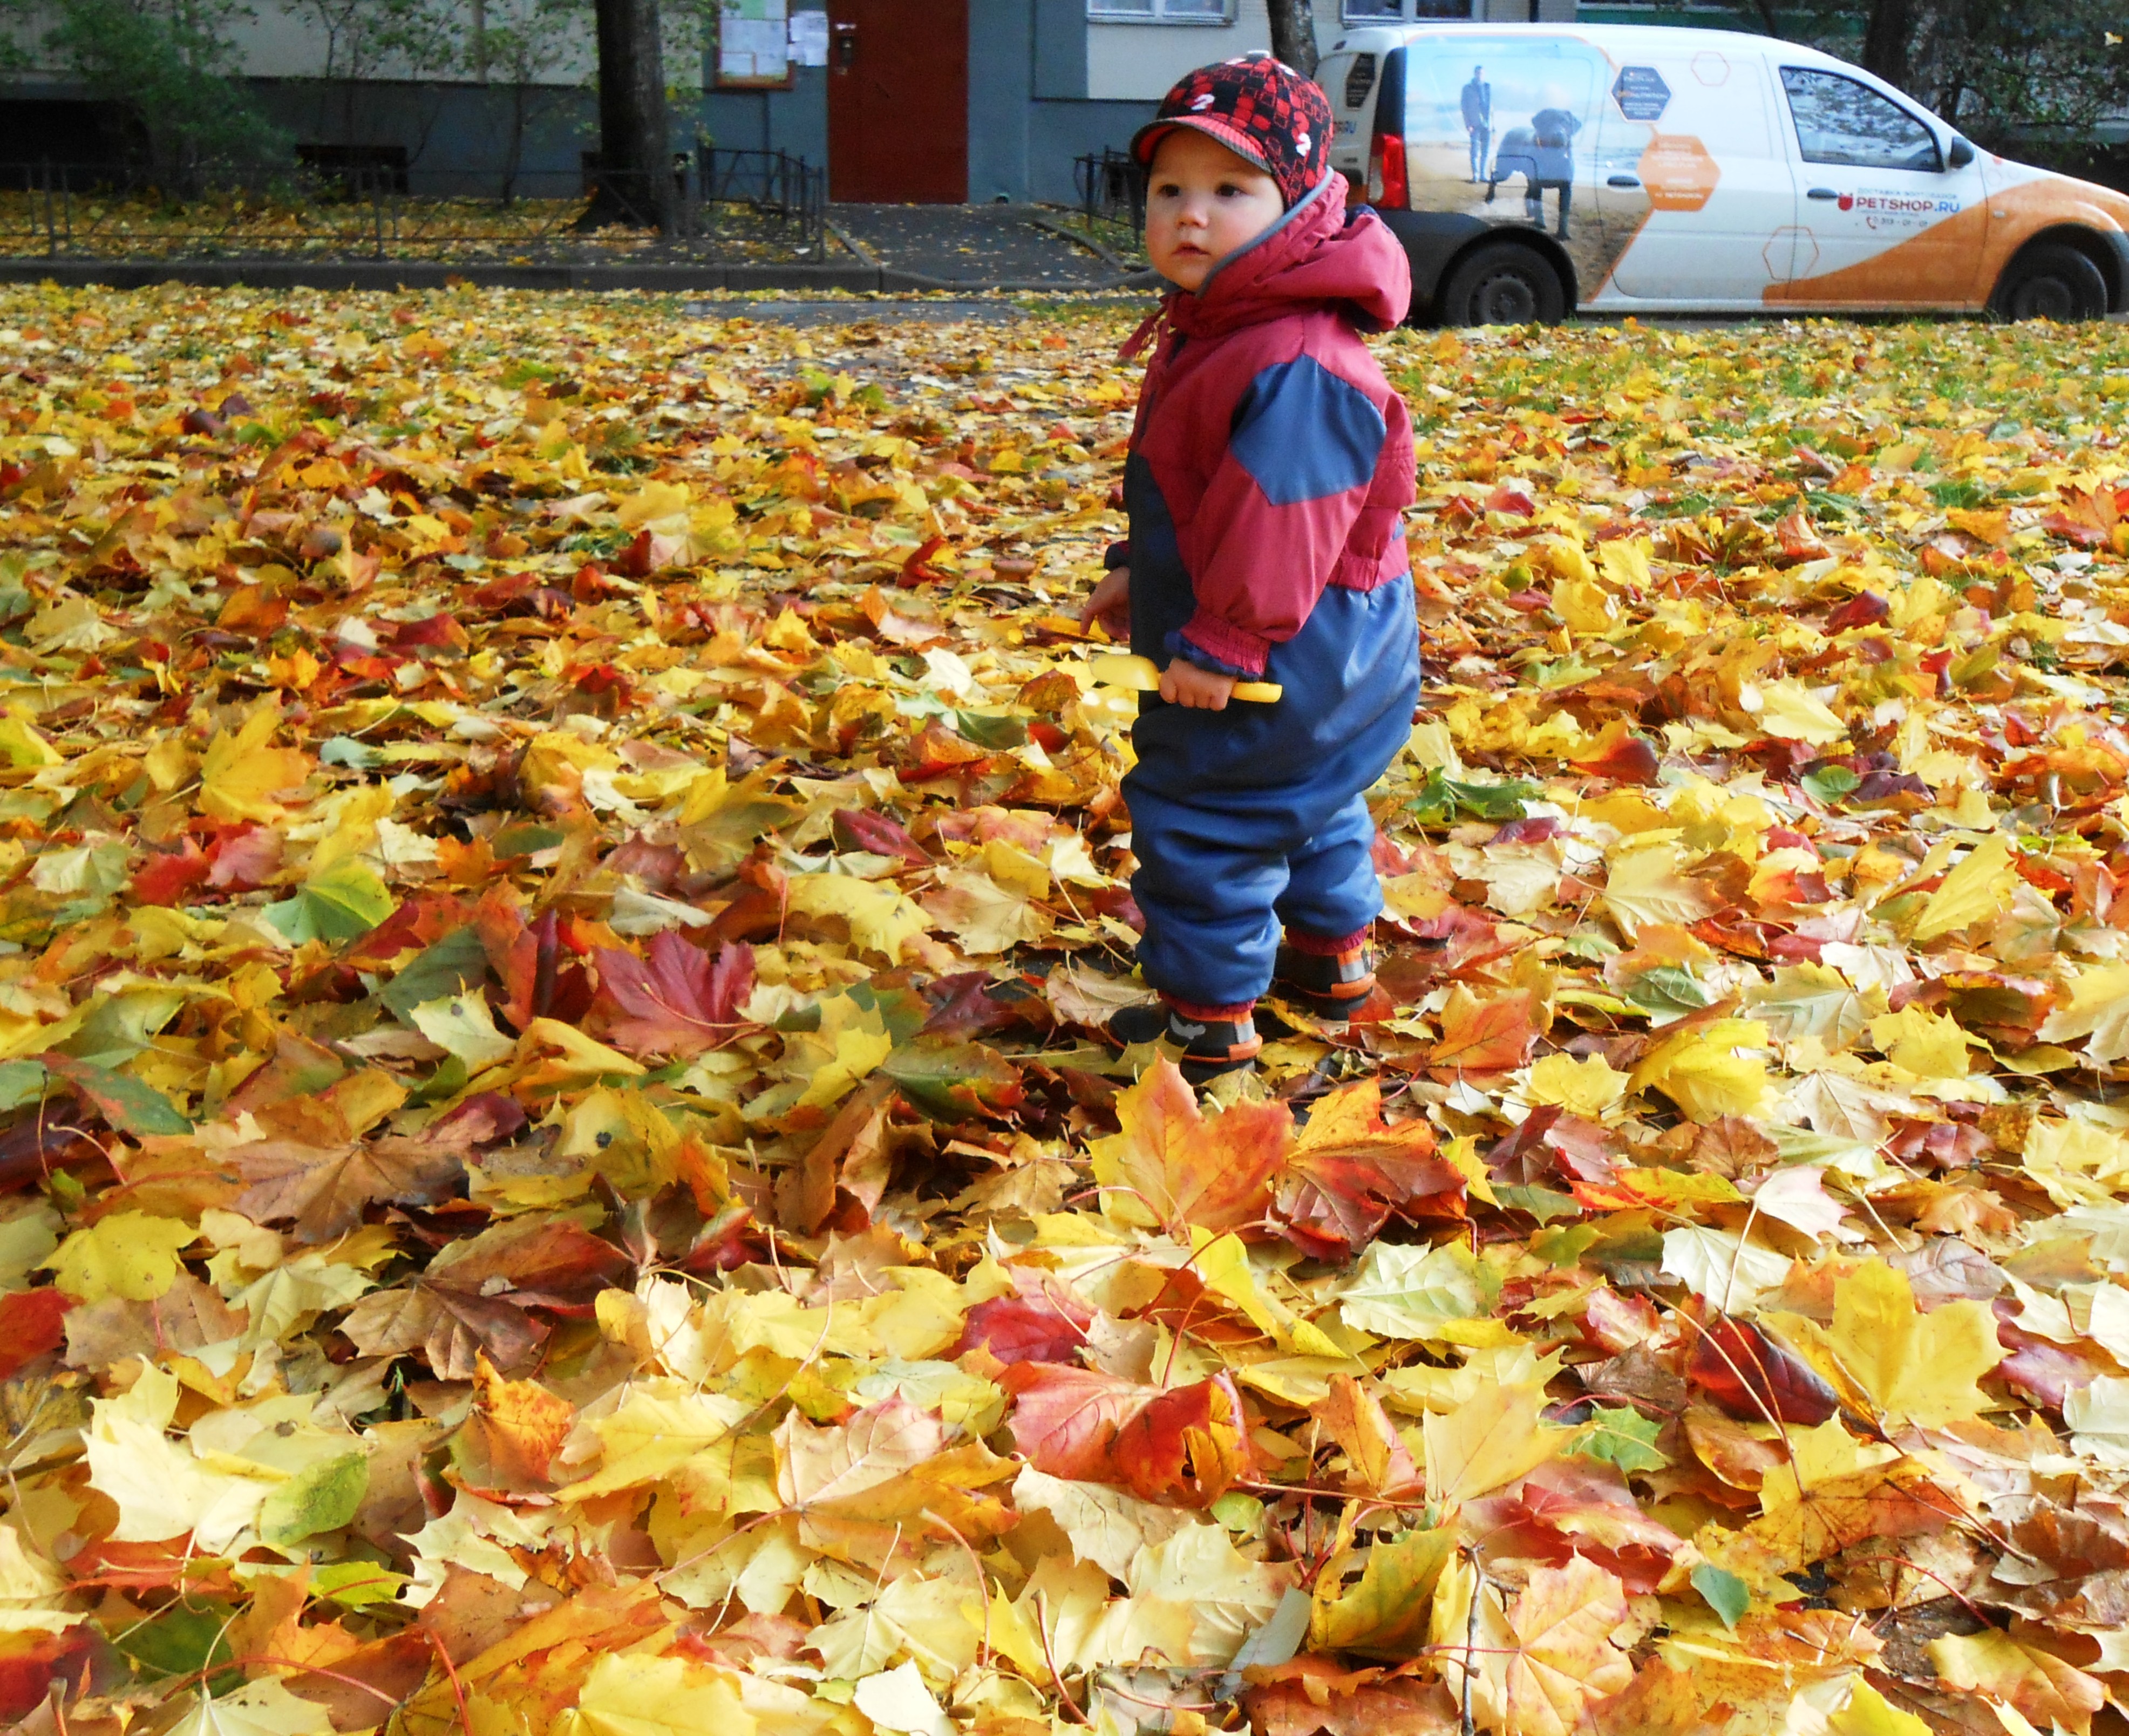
(1313, 256)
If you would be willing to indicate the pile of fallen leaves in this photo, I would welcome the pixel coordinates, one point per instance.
(282, 223)
(560, 872)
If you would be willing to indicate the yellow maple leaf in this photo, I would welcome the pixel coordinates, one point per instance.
(1916, 1367)
(1929, 1045)
(127, 1254)
(1586, 1087)
(1978, 890)
(241, 774)
(1701, 1071)
(629, 1694)
(1497, 1437)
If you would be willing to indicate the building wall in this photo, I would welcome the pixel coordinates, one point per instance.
(1139, 62)
(1045, 86)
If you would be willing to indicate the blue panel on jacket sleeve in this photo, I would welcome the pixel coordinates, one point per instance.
(1303, 434)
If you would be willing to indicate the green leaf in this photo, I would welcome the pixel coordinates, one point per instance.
(998, 733)
(1544, 1203)
(354, 1585)
(323, 1498)
(1725, 1592)
(345, 750)
(184, 1638)
(458, 961)
(119, 1026)
(1829, 783)
(1622, 1437)
(20, 1082)
(343, 903)
(951, 1081)
(1441, 799)
(1667, 991)
(128, 1104)
(1563, 1247)
(526, 840)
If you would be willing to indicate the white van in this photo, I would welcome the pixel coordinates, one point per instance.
(1533, 169)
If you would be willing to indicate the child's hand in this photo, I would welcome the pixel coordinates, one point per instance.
(1110, 605)
(1184, 683)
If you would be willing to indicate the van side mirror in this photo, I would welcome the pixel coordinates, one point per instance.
(1958, 153)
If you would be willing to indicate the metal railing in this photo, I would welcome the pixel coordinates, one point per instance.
(722, 201)
(1112, 188)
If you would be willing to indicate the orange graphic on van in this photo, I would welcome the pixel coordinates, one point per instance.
(1678, 172)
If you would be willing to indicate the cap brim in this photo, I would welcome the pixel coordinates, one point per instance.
(1217, 128)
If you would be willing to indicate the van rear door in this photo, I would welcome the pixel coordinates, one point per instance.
(1700, 202)
(1352, 78)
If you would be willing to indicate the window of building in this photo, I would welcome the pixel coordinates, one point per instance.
(1846, 123)
(1161, 12)
(1372, 12)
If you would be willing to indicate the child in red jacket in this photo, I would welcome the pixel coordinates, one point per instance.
(1267, 471)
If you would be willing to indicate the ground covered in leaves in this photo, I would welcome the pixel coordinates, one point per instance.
(282, 224)
(560, 869)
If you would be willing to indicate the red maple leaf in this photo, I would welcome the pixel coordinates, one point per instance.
(678, 1000)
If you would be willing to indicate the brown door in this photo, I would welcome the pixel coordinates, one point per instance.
(898, 100)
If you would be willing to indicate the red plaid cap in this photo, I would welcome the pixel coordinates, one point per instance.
(1261, 109)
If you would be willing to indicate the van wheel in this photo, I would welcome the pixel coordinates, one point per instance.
(1504, 284)
(2050, 283)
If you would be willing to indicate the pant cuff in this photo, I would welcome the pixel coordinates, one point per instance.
(1320, 947)
(1205, 1014)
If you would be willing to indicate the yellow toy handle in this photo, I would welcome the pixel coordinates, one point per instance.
(1119, 669)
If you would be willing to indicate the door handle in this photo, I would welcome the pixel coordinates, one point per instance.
(846, 46)
(1821, 193)
(1622, 181)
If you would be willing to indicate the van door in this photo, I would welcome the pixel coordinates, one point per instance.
(1879, 200)
(1694, 181)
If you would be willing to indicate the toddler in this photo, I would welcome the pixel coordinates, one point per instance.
(1268, 468)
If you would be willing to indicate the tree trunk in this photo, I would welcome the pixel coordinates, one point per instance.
(1885, 40)
(1293, 34)
(636, 173)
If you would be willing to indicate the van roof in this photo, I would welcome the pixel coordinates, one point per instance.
(1616, 39)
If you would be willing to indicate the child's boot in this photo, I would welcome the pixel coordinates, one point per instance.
(1214, 1040)
(1331, 978)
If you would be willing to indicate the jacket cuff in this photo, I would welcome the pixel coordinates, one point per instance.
(1115, 556)
(1213, 644)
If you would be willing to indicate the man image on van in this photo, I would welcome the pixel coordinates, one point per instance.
(1543, 154)
(1478, 120)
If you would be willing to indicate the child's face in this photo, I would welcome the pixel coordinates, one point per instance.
(1202, 201)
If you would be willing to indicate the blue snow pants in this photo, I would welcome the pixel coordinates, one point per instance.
(1250, 818)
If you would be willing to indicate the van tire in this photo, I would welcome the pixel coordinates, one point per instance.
(2051, 282)
(1503, 283)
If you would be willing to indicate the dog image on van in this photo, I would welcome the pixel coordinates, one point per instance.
(1543, 154)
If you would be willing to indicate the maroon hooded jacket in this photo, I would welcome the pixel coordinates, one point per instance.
(1270, 458)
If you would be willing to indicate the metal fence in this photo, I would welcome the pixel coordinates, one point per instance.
(1111, 185)
(722, 201)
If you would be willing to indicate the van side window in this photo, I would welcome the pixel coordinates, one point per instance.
(1840, 121)
(1360, 80)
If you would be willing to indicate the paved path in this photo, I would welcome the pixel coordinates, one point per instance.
(1014, 246)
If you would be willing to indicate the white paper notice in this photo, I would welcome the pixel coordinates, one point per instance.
(752, 43)
(809, 38)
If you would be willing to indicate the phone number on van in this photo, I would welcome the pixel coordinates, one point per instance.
(1882, 210)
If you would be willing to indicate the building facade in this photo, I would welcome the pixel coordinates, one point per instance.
(903, 100)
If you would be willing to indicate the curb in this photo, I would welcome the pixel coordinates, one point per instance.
(392, 274)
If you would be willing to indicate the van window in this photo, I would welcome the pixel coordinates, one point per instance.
(1360, 80)
(1842, 122)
